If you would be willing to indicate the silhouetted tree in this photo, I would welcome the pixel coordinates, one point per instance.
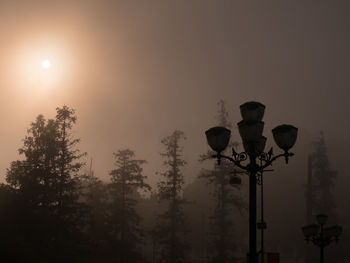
(171, 225)
(126, 179)
(227, 197)
(47, 185)
(69, 156)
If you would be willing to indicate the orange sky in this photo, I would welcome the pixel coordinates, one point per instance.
(136, 70)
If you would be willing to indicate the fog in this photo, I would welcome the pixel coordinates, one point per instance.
(135, 71)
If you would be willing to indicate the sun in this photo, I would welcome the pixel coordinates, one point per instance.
(46, 64)
(40, 68)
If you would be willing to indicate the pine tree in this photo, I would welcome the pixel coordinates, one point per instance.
(95, 195)
(319, 191)
(323, 180)
(227, 198)
(171, 225)
(46, 182)
(127, 179)
(68, 159)
(37, 172)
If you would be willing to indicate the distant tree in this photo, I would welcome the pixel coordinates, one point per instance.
(171, 225)
(323, 180)
(95, 194)
(227, 198)
(149, 207)
(46, 182)
(197, 214)
(126, 179)
(319, 192)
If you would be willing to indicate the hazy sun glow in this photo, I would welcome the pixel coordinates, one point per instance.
(46, 64)
(41, 68)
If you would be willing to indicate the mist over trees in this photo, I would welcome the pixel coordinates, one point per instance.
(53, 209)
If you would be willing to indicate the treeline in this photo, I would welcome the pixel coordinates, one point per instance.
(51, 211)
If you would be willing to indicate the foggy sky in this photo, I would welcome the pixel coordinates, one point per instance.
(140, 69)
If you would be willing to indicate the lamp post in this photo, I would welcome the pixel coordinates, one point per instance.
(262, 224)
(320, 236)
(250, 130)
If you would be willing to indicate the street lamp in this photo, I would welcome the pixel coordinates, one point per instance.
(250, 130)
(321, 236)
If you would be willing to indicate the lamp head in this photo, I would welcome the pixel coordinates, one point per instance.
(285, 136)
(218, 138)
(250, 131)
(336, 231)
(252, 111)
(310, 230)
(321, 219)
